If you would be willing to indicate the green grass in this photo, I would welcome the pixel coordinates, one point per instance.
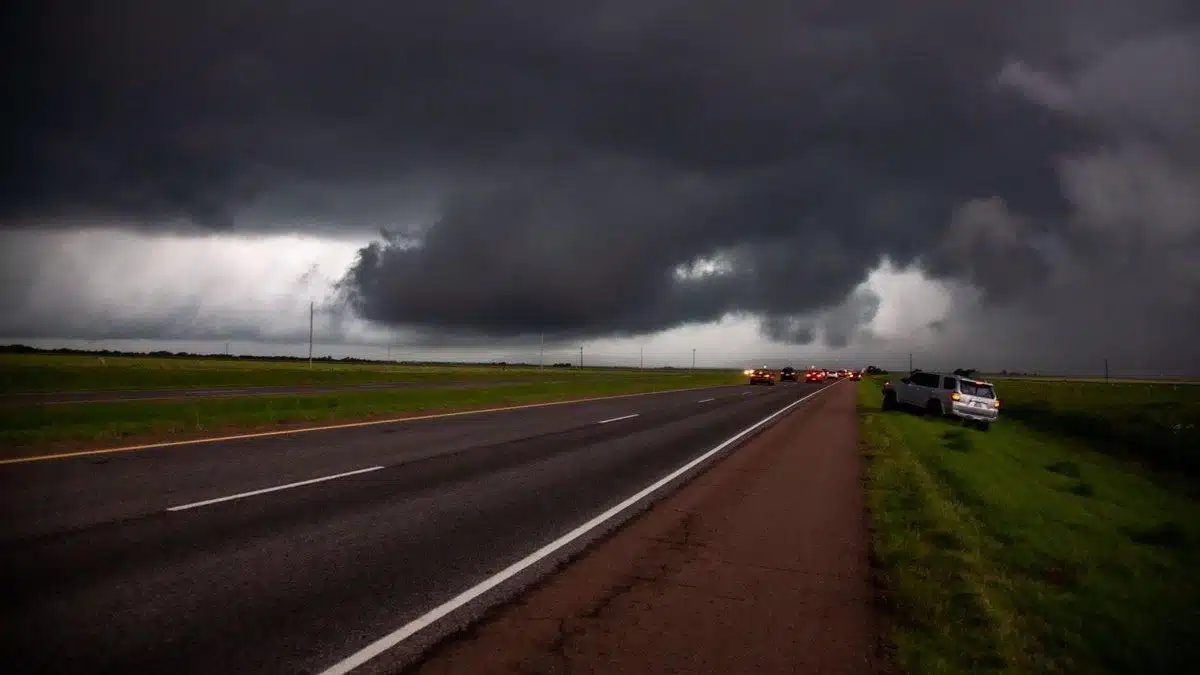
(1114, 380)
(31, 428)
(41, 372)
(1158, 424)
(1021, 551)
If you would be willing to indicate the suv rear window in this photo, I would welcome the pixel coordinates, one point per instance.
(973, 389)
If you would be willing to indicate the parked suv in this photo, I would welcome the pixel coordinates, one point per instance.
(971, 400)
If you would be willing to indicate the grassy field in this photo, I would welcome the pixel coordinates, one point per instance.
(1113, 380)
(30, 429)
(1019, 550)
(1156, 424)
(41, 372)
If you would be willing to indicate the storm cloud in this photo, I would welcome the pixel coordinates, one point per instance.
(619, 168)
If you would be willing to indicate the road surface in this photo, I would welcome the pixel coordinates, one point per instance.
(292, 553)
(131, 395)
(758, 566)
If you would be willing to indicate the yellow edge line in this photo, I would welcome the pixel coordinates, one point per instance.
(332, 427)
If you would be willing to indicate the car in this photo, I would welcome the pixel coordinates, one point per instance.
(788, 373)
(831, 375)
(762, 376)
(972, 401)
(814, 376)
(854, 374)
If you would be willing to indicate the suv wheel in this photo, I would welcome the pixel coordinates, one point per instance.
(889, 400)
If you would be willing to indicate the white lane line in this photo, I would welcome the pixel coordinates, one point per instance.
(345, 425)
(424, 621)
(705, 400)
(618, 419)
(252, 493)
(747, 393)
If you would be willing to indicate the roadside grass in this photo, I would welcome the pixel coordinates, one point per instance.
(28, 429)
(1113, 380)
(1019, 551)
(1156, 424)
(77, 372)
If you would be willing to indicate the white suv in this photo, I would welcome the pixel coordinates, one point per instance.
(971, 400)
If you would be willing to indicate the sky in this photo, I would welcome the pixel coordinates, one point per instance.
(987, 184)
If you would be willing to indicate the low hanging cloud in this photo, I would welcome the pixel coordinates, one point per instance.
(547, 169)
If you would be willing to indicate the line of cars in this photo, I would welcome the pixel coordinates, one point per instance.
(770, 376)
(823, 374)
(969, 399)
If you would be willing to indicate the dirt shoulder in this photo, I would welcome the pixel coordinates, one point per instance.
(759, 565)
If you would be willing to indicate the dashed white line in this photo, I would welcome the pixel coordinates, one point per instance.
(429, 618)
(335, 427)
(705, 400)
(747, 393)
(252, 493)
(618, 419)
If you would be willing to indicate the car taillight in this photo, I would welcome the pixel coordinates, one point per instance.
(956, 396)
(996, 403)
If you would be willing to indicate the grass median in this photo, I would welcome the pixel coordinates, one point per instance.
(79, 372)
(1022, 551)
(31, 429)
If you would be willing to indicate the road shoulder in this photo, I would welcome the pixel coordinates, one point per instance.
(758, 565)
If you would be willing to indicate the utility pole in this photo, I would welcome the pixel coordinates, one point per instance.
(581, 356)
(641, 357)
(310, 332)
(1106, 370)
(389, 352)
(910, 363)
(542, 354)
(693, 358)
(226, 348)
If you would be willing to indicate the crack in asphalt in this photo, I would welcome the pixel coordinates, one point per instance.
(675, 553)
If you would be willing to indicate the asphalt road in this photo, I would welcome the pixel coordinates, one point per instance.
(130, 395)
(157, 560)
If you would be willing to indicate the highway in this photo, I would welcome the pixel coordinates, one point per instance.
(295, 553)
(134, 395)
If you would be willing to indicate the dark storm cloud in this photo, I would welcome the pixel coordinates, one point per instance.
(561, 161)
